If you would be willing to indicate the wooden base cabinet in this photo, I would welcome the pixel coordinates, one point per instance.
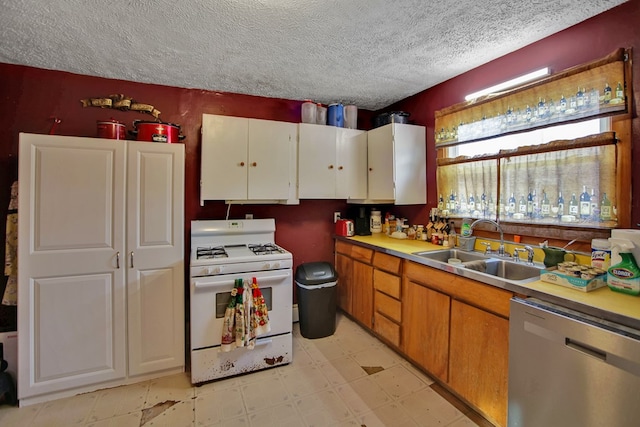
(458, 330)
(362, 293)
(426, 328)
(478, 364)
(355, 281)
(344, 267)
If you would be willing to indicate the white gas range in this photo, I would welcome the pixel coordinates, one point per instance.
(221, 252)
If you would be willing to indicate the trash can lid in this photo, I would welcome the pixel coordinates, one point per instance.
(314, 273)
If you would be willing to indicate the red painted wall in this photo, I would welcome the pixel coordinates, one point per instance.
(31, 97)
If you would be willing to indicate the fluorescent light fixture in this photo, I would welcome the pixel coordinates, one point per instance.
(543, 72)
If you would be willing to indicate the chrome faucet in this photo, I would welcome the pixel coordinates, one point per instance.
(516, 254)
(490, 221)
(528, 250)
(530, 254)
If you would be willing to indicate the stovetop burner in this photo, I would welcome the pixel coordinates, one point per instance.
(266, 249)
(210, 252)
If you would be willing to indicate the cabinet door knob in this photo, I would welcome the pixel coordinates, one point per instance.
(370, 169)
(330, 166)
(340, 168)
(254, 164)
(241, 163)
(131, 259)
(118, 259)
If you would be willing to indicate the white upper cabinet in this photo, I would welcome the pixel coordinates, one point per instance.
(332, 162)
(397, 171)
(248, 160)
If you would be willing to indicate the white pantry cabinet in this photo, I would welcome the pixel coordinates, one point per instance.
(246, 160)
(396, 157)
(332, 162)
(101, 272)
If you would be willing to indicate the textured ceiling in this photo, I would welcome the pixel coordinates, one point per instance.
(368, 52)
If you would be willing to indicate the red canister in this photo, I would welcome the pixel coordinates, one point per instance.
(157, 132)
(111, 129)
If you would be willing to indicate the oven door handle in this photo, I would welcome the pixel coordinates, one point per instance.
(230, 282)
(213, 284)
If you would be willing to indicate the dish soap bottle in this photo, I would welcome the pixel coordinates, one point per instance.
(625, 276)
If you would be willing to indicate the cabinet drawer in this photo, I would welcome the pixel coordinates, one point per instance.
(387, 329)
(386, 262)
(361, 254)
(387, 283)
(343, 247)
(478, 294)
(388, 306)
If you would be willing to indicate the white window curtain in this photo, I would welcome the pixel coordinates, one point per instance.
(528, 178)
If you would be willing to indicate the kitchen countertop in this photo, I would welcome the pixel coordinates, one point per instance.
(602, 303)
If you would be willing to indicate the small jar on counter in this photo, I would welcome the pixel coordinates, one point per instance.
(419, 231)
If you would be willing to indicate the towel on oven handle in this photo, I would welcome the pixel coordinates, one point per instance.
(260, 315)
(229, 323)
(245, 317)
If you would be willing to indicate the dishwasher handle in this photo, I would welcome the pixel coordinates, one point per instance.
(586, 349)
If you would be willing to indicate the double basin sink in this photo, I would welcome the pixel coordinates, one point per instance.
(487, 268)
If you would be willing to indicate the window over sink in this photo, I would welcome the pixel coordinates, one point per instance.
(558, 168)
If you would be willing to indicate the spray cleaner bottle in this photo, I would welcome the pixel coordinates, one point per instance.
(625, 276)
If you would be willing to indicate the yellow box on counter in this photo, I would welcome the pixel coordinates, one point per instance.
(551, 275)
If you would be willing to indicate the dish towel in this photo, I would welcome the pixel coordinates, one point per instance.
(10, 296)
(229, 325)
(246, 316)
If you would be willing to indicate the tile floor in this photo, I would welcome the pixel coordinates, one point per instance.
(325, 385)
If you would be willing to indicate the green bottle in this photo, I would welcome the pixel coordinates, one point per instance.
(624, 277)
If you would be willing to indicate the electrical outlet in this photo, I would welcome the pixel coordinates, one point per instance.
(248, 216)
(336, 216)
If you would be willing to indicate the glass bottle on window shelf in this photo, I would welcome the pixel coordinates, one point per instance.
(511, 208)
(530, 204)
(607, 93)
(551, 108)
(595, 206)
(535, 205)
(573, 104)
(579, 99)
(441, 204)
(463, 204)
(605, 208)
(574, 206)
(560, 205)
(563, 104)
(522, 205)
(452, 203)
(585, 203)
(491, 206)
(542, 108)
(545, 205)
(619, 91)
(595, 98)
(472, 203)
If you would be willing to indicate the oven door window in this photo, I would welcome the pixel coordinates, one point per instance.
(222, 301)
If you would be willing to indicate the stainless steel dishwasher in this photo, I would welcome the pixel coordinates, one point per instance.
(570, 369)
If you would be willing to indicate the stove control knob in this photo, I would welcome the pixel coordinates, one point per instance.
(208, 270)
(276, 264)
(266, 266)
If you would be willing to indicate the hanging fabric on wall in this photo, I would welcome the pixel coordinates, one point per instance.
(10, 296)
